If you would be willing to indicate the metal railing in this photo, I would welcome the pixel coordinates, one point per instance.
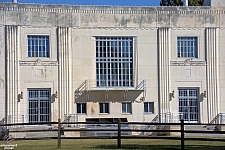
(2, 122)
(68, 118)
(154, 120)
(218, 119)
(171, 117)
(15, 119)
(93, 84)
(221, 118)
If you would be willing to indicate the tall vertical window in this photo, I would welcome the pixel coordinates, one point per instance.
(104, 108)
(38, 46)
(126, 108)
(187, 47)
(39, 105)
(81, 108)
(114, 61)
(149, 107)
(188, 104)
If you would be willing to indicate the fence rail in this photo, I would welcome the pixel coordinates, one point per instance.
(118, 130)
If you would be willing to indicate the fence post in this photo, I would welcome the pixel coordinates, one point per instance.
(59, 133)
(182, 134)
(119, 134)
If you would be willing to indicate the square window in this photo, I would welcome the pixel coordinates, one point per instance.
(149, 107)
(187, 47)
(81, 108)
(38, 46)
(104, 108)
(126, 108)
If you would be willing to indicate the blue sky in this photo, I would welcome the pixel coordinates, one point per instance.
(94, 2)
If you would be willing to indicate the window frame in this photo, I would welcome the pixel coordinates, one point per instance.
(127, 104)
(42, 98)
(183, 43)
(114, 61)
(105, 108)
(35, 47)
(150, 105)
(81, 108)
(188, 100)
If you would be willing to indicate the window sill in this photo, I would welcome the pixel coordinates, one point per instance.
(103, 113)
(148, 113)
(126, 113)
(81, 114)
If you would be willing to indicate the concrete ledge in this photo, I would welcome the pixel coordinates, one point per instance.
(221, 127)
(170, 133)
(71, 133)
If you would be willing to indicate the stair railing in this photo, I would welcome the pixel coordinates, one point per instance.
(154, 120)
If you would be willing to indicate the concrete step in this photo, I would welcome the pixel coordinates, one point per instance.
(201, 127)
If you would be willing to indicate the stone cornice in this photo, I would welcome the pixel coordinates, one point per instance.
(110, 9)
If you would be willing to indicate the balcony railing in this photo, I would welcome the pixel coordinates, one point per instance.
(88, 85)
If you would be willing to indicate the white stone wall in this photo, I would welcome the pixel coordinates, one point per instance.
(37, 73)
(72, 31)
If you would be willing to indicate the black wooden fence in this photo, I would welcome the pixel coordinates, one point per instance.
(120, 130)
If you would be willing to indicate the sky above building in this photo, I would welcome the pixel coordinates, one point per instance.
(94, 2)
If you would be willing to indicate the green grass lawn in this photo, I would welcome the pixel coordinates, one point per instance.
(126, 144)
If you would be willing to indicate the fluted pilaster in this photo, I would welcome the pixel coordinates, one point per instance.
(12, 48)
(212, 72)
(65, 99)
(163, 68)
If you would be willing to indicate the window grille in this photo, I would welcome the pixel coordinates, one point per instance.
(114, 61)
(39, 105)
(188, 104)
(187, 47)
(38, 46)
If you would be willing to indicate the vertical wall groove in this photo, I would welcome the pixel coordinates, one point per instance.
(212, 72)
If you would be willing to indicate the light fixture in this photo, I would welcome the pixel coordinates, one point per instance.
(21, 95)
(204, 94)
(56, 94)
(172, 94)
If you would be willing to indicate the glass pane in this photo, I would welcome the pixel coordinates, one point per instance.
(101, 107)
(79, 108)
(124, 108)
(128, 107)
(84, 108)
(145, 107)
(106, 108)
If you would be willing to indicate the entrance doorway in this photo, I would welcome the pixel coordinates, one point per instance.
(188, 104)
(39, 105)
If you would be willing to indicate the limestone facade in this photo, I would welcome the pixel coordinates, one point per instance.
(156, 64)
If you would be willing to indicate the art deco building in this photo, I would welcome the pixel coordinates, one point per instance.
(105, 62)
